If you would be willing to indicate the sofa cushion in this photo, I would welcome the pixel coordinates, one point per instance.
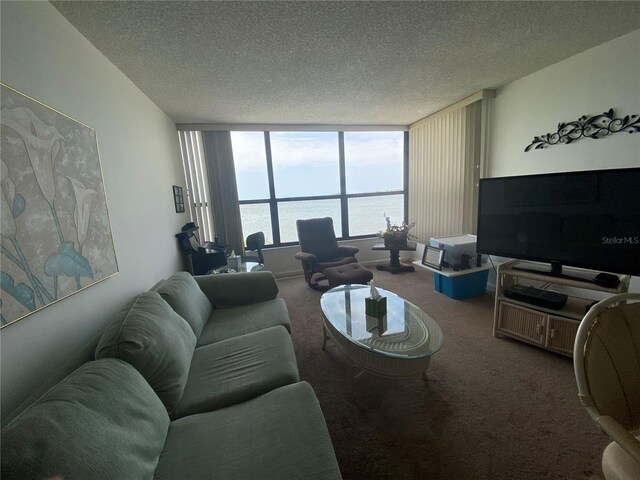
(281, 434)
(231, 322)
(185, 296)
(149, 335)
(238, 369)
(103, 421)
(225, 291)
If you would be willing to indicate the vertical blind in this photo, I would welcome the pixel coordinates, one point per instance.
(195, 172)
(444, 167)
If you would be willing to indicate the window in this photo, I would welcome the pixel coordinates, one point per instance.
(374, 161)
(289, 212)
(352, 177)
(249, 159)
(366, 213)
(305, 164)
(256, 217)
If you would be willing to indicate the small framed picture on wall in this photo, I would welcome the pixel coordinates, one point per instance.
(432, 257)
(178, 198)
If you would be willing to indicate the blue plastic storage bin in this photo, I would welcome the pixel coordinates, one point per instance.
(462, 286)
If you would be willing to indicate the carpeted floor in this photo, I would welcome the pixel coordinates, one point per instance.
(491, 408)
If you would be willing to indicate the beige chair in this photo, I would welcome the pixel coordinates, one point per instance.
(606, 360)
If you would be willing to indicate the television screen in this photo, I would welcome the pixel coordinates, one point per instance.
(588, 219)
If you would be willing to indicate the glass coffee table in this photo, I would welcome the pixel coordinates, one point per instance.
(399, 345)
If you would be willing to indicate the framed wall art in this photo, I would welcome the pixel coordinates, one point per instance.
(55, 234)
(178, 199)
(433, 257)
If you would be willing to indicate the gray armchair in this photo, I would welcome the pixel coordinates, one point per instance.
(319, 249)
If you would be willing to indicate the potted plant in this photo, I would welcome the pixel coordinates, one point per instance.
(396, 235)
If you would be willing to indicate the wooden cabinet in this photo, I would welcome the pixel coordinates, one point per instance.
(553, 330)
(561, 333)
(519, 322)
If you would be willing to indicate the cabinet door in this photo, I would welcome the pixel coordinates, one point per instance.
(561, 334)
(522, 323)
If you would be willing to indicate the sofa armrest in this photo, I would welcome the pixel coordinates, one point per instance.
(348, 250)
(236, 289)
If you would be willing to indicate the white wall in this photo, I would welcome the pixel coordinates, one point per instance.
(45, 57)
(589, 83)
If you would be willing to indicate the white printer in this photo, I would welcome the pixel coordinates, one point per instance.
(454, 247)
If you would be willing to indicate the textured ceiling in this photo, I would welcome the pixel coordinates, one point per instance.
(309, 62)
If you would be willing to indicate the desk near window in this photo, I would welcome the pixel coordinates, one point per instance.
(394, 265)
(199, 259)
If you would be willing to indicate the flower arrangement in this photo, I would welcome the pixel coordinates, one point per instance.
(396, 234)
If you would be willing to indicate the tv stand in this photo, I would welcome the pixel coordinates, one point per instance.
(547, 328)
(556, 270)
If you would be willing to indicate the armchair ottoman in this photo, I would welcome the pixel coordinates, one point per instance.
(351, 273)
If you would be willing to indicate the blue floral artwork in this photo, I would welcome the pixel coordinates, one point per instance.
(55, 231)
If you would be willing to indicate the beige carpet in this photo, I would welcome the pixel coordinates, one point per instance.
(491, 408)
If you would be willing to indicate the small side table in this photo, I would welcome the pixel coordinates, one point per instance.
(200, 263)
(394, 261)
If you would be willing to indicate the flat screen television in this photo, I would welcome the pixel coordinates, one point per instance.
(587, 219)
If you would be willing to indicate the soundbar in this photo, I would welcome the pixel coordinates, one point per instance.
(536, 296)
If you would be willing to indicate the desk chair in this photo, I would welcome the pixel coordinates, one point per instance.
(255, 242)
(199, 259)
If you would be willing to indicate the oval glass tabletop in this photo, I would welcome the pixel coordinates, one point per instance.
(405, 332)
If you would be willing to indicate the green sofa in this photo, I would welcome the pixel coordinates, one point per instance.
(195, 379)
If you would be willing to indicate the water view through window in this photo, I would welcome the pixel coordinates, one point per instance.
(374, 161)
(307, 180)
(366, 214)
(250, 161)
(305, 164)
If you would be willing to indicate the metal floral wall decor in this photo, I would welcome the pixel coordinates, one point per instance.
(55, 232)
(594, 127)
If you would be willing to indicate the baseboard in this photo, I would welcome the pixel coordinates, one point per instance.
(370, 263)
(289, 274)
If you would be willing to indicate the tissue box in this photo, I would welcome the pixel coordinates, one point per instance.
(376, 326)
(375, 308)
(233, 263)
